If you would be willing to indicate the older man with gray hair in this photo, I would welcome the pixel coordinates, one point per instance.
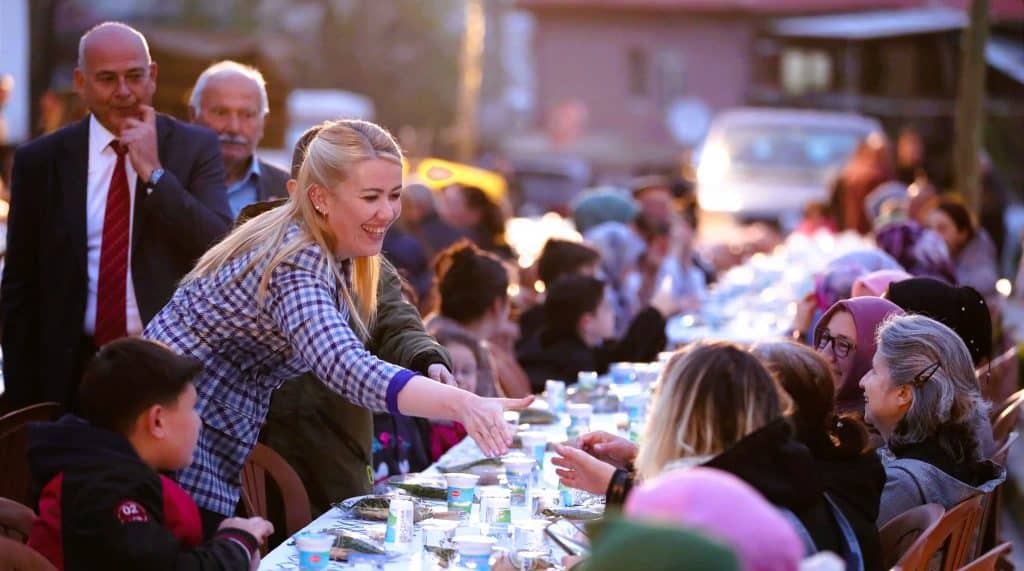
(231, 99)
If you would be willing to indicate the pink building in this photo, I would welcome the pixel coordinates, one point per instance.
(654, 71)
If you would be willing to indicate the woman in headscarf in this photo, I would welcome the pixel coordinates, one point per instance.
(875, 284)
(919, 250)
(845, 336)
(620, 249)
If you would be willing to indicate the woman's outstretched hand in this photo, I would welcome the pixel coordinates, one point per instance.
(484, 420)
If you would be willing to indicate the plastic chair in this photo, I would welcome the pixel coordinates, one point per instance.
(15, 520)
(1007, 419)
(990, 560)
(264, 462)
(14, 478)
(950, 539)
(899, 533)
(993, 503)
(1010, 400)
(20, 557)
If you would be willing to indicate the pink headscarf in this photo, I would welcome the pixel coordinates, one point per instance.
(876, 283)
(723, 507)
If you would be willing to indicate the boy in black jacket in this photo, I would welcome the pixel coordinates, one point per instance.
(104, 504)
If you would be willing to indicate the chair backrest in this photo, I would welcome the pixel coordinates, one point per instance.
(263, 463)
(1007, 420)
(997, 410)
(15, 520)
(17, 556)
(899, 533)
(14, 478)
(950, 538)
(990, 560)
(993, 503)
(1001, 455)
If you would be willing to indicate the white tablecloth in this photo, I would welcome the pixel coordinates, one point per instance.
(285, 556)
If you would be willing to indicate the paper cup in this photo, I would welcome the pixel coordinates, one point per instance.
(535, 444)
(314, 551)
(474, 551)
(461, 489)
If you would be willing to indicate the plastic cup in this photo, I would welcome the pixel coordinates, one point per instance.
(535, 444)
(461, 490)
(314, 551)
(474, 551)
(496, 512)
(586, 379)
(528, 535)
(518, 474)
(554, 390)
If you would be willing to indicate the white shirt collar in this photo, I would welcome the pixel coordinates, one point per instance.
(99, 137)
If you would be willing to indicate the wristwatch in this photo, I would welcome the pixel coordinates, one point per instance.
(154, 178)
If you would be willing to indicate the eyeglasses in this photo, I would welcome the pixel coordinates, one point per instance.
(840, 347)
(922, 377)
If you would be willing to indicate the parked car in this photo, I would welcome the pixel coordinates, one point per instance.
(768, 164)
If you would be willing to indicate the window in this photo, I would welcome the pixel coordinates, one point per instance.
(638, 72)
(805, 71)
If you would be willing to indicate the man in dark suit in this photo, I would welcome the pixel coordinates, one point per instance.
(231, 99)
(106, 216)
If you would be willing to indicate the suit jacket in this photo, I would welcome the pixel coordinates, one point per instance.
(272, 182)
(45, 281)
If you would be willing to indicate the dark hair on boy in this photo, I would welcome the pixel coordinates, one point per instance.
(568, 299)
(562, 257)
(127, 377)
(468, 280)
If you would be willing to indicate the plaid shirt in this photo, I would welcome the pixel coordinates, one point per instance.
(249, 347)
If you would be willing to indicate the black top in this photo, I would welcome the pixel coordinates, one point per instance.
(550, 354)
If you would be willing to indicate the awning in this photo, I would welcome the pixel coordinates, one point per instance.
(1007, 56)
(871, 25)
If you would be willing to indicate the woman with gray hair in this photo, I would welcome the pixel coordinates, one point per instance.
(913, 395)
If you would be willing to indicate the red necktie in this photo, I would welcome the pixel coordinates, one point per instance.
(113, 277)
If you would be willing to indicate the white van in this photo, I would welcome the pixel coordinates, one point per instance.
(765, 163)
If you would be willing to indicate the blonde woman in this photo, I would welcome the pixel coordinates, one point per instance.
(274, 299)
(717, 406)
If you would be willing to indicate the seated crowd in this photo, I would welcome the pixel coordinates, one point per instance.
(358, 356)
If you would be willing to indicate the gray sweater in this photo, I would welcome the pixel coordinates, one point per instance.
(910, 483)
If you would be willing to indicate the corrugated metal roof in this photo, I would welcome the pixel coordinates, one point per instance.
(1007, 56)
(871, 25)
(1002, 10)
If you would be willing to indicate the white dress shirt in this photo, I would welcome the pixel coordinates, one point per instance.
(102, 160)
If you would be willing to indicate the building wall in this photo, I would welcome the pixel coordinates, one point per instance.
(586, 56)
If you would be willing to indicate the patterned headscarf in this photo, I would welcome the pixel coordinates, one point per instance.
(919, 250)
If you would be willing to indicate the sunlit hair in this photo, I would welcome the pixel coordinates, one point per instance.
(806, 377)
(331, 156)
(935, 363)
(84, 40)
(710, 395)
(227, 67)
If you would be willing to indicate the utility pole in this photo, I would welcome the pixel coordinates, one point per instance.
(470, 79)
(970, 105)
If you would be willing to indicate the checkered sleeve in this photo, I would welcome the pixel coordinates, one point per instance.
(303, 306)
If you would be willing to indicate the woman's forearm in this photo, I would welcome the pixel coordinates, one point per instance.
(483, 418)
(430, 399)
